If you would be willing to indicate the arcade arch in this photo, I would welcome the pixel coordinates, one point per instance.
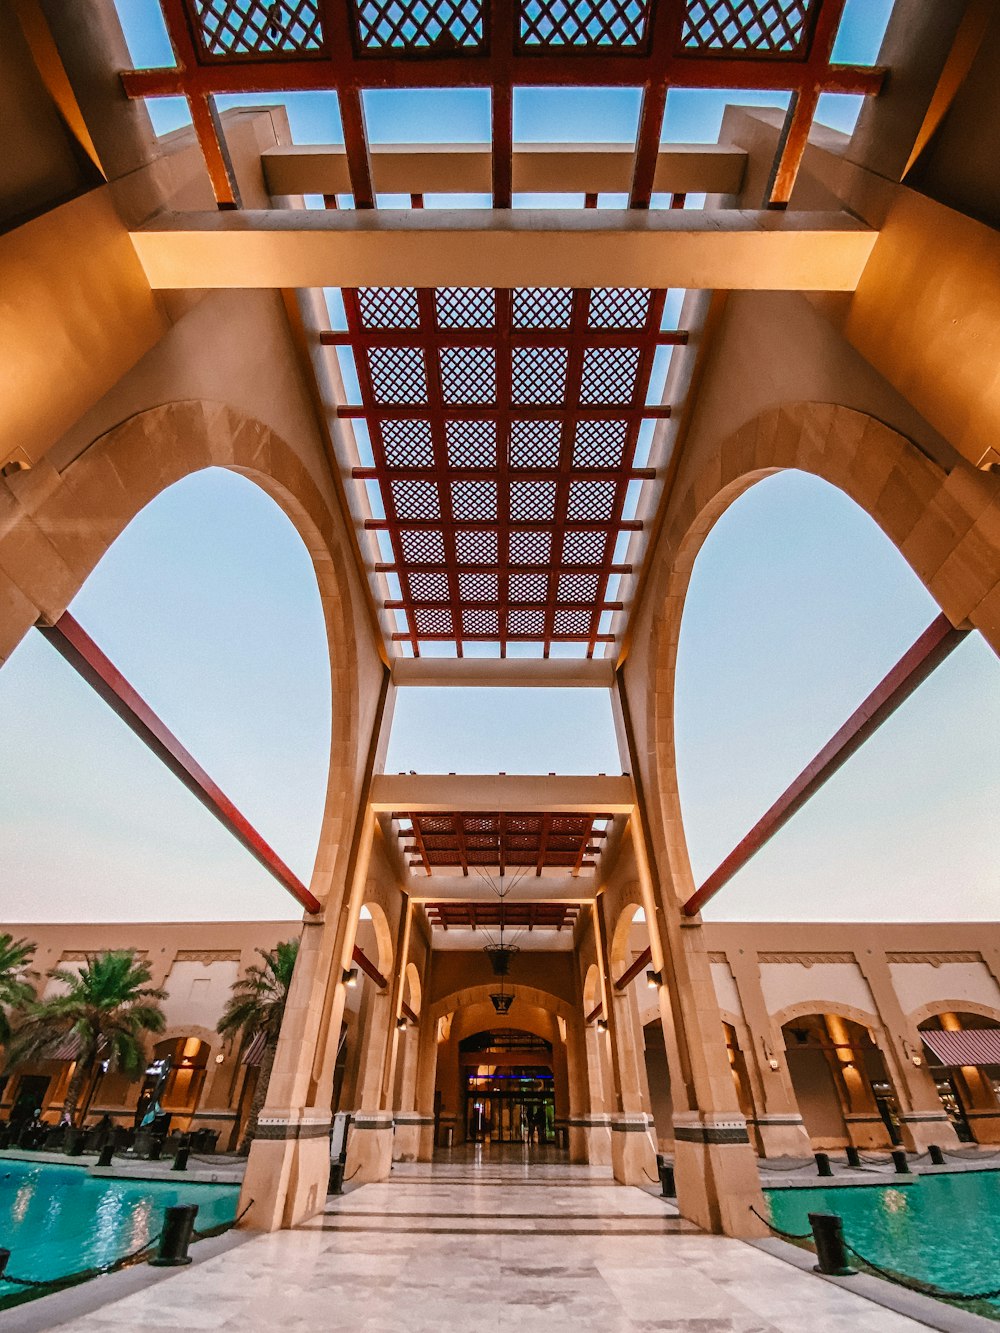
(876, 467)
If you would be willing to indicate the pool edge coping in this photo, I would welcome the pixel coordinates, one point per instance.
(910, 1304)
(60, 1307)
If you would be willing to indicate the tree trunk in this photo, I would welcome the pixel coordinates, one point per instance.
(259, 1095)
(80, 1071)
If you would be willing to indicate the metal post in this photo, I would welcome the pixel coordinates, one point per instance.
(668, 1187)
(900, 1162)
(823, 1167)
(107, 1152)
(853, 1157)
(181, 1158)
(936, 1155)
(336, 1185)
(178, 1224)
(828, 1233)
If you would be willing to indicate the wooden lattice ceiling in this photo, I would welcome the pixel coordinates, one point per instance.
(516, 916)
(503, 423)
(273, 46)
(504, 428)
(507, 841)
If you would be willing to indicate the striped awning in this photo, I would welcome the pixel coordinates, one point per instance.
(68, 1048)
(973, 1046)
(255, 1051)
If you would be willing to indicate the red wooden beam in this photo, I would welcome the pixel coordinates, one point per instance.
(632, 972)
(938, 640)
(72, 641)
(594, 1014)
(368, 967)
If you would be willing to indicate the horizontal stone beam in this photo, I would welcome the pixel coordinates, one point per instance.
(540, 673)
(551, 887)
(285, 248)
(537, 169)
(425, 792)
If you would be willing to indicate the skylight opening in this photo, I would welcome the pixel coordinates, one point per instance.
(576, 115)
(694, 115)
(427, 115)
(313, 117)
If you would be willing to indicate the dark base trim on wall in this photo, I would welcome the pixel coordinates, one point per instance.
(709, 1134)
(284, 1129)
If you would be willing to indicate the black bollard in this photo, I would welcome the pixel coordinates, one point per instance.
(178, 1223)
(107, 1152)
(853, 1156)
(155, 1149)
(936, 1155)
(181, 1159)
(828, 1233)
(4, 1260)
(900, 1162)
(336, 1185)
(668, 1186)
(823, 1167)
(73, 1142)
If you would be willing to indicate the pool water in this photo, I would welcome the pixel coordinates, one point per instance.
(941, 1229)
(57, 1220)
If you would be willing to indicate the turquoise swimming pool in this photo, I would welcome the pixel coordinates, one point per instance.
(58, 1219)
(941, 1229)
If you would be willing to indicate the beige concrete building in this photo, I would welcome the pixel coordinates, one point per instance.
(163, 312)
(830, 1033)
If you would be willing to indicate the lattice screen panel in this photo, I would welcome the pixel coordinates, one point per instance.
(345, 46)
(516, 916)
(504, 428)
(510, 842)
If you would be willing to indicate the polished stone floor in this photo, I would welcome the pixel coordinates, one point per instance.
(495, 1244)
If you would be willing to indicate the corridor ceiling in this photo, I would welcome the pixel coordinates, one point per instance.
(508, 842)
(511, 451)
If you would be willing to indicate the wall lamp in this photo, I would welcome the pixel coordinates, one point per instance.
(401, 1024)
(602, 1025)
(350, 977)
(654, 980)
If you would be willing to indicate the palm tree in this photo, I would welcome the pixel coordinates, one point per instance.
(16, 989)
(255, 1009)
(108, 1007)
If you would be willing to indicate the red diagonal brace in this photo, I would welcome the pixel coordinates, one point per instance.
(79, 649)
(938, 640)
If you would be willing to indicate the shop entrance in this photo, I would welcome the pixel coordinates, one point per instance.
(509, 1088)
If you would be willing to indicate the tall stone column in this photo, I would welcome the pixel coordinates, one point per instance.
(369, 1147)
(578, 1073)
(923, 1120)
(633, 1157)
(779, 1124)
(426, 1078)
(289, 1165)
(718, 1184)
(596, 1123)
(407, 1119)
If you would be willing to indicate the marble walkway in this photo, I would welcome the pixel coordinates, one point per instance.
(457, 1247)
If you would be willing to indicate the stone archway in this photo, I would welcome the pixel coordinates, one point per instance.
(60, 527)
(56, 529)
(945, 525)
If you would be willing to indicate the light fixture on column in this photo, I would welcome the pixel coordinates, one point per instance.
(350, 977)
(602, 1025)
(401, 1023)
(654, 980)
